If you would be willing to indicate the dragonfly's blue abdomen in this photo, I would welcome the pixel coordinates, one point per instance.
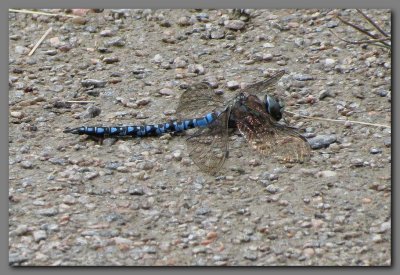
(145, 130)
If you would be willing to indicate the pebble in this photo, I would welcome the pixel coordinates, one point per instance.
(332, 24)
(166, 91)
(136, 190)
(21, 229)
(321, 141)
(50, 227)
(268, 45)
(26, 164)
(184, 21)
(329, 62)
(50, 52)
(234, 24)
(203, 211)
(169, 112)
(386, 226)
(113, 165)
(382, 93)
(149, 249)
(196, 69)
(325, 93)
(177, 155)
(199, 249)
(250, 255)
(317, 223)
(232, 85)
(108, 33)
(375, 150)
(283, 202)
(308, 252)
(326, 174)
(57, 88)
(91, 175)
(111, 60)
(303, 77)
(124, 148)
(357, 162)
(48, 212)
(39, 235)
(79, 20)
(145, 165)
(17, 114)
(387, 142)
(116, 41)
(87, 83)
(377, 238)
(68, 199)
(217, 34)
(202, 17)
(143, 101)
(55, 42)
(179, 62)
(272, 188)
(267, 57)
(158, 58)
(21, 50)
(17, 258)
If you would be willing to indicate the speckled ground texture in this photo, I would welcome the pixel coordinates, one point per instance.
(73, 201)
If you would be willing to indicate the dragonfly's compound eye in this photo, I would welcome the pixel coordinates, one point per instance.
(273, 107)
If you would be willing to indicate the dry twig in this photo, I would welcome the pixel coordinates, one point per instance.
(42, 13)
(375, 39)
(40, 41)
(339, 120)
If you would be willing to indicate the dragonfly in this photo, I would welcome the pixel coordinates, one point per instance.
(256, 119)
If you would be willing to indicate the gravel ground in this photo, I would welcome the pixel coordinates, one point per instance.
(143, 201)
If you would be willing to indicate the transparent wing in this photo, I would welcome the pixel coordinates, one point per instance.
(267, 136)
(264, 84)
(208, 147)
(198, 100)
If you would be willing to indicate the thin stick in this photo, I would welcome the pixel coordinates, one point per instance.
(42, 13)
(78, 101)
(339, 120)
(370, 41)
(373, 23)
(361, 30)
(362, 41)
(356, 27)
(40, 41)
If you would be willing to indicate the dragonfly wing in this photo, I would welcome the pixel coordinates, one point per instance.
(198, 100)
(264, 84)
(208, 147)
(267, 136)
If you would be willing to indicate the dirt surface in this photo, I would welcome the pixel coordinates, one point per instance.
(143, 201)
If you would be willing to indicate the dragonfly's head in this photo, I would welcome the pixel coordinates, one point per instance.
(274, 107)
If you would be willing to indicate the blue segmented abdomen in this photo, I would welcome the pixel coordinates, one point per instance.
(145, 130)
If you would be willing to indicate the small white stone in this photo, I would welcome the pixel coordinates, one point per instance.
(234, 24)
(232, 84)
(17, 114)
(308, 252)
(268, 45)
(39, 235)
(158, 58)
(330, 62)
(326, 174)
(377, 238)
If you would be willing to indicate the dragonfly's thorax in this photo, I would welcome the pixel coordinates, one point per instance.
(272, 106)
(239, 106)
